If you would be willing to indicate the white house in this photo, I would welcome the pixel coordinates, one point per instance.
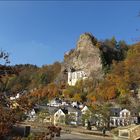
(85, 110)
(15, 97)
(73, 77)
(31, 115)
(64, 103)
(55, 102)
(12, 98)
(59, 116)
(75, 104)
(123, 117)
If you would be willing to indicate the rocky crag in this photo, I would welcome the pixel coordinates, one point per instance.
(86, 56)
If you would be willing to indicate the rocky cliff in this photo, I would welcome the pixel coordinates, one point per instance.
(86, 56)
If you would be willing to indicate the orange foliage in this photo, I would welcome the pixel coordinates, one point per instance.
(93, 99)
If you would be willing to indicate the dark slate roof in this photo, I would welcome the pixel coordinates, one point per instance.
(115, 112)
(72, 109)
(65, 110)
(37, 109)
(52, 109)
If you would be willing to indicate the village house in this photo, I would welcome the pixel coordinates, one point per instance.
(64, 103)
(87, 115)
(51, 111)
(75, 115)
(123, 117)
(85, 110)
(32, 114)
(56, 102)
(75, 104)
(15, 97)
(60, 116)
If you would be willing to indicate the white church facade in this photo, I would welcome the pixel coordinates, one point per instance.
(73, 77)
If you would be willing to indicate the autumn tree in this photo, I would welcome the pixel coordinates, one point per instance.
(77, 97)
(121, 84)
(7, 116)
(7, 119)
(91, 98)
(69, 92)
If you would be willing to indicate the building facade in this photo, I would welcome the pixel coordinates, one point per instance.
(73, 77)
(123, 117)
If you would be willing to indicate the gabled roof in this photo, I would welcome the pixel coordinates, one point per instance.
(124, 110)
(52, 110)
(65, 111)
(116, 111)
(85, 108)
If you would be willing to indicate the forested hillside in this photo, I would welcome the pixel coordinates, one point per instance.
(119, 78)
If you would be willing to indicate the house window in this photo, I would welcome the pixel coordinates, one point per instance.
(116, 123)
(115, 113)
(78, 75)
(112, 122)
(126, 114)
(121, 122)
(73, 76)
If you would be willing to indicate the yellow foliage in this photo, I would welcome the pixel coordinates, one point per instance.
(77, 97)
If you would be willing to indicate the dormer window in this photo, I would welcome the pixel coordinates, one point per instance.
(115, 113)
(127, 114)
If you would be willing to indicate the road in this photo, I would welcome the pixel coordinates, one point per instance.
(76, 136)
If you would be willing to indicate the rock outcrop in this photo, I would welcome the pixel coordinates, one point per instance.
(86, 56)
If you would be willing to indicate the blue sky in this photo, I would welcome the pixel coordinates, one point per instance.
(41, 32)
